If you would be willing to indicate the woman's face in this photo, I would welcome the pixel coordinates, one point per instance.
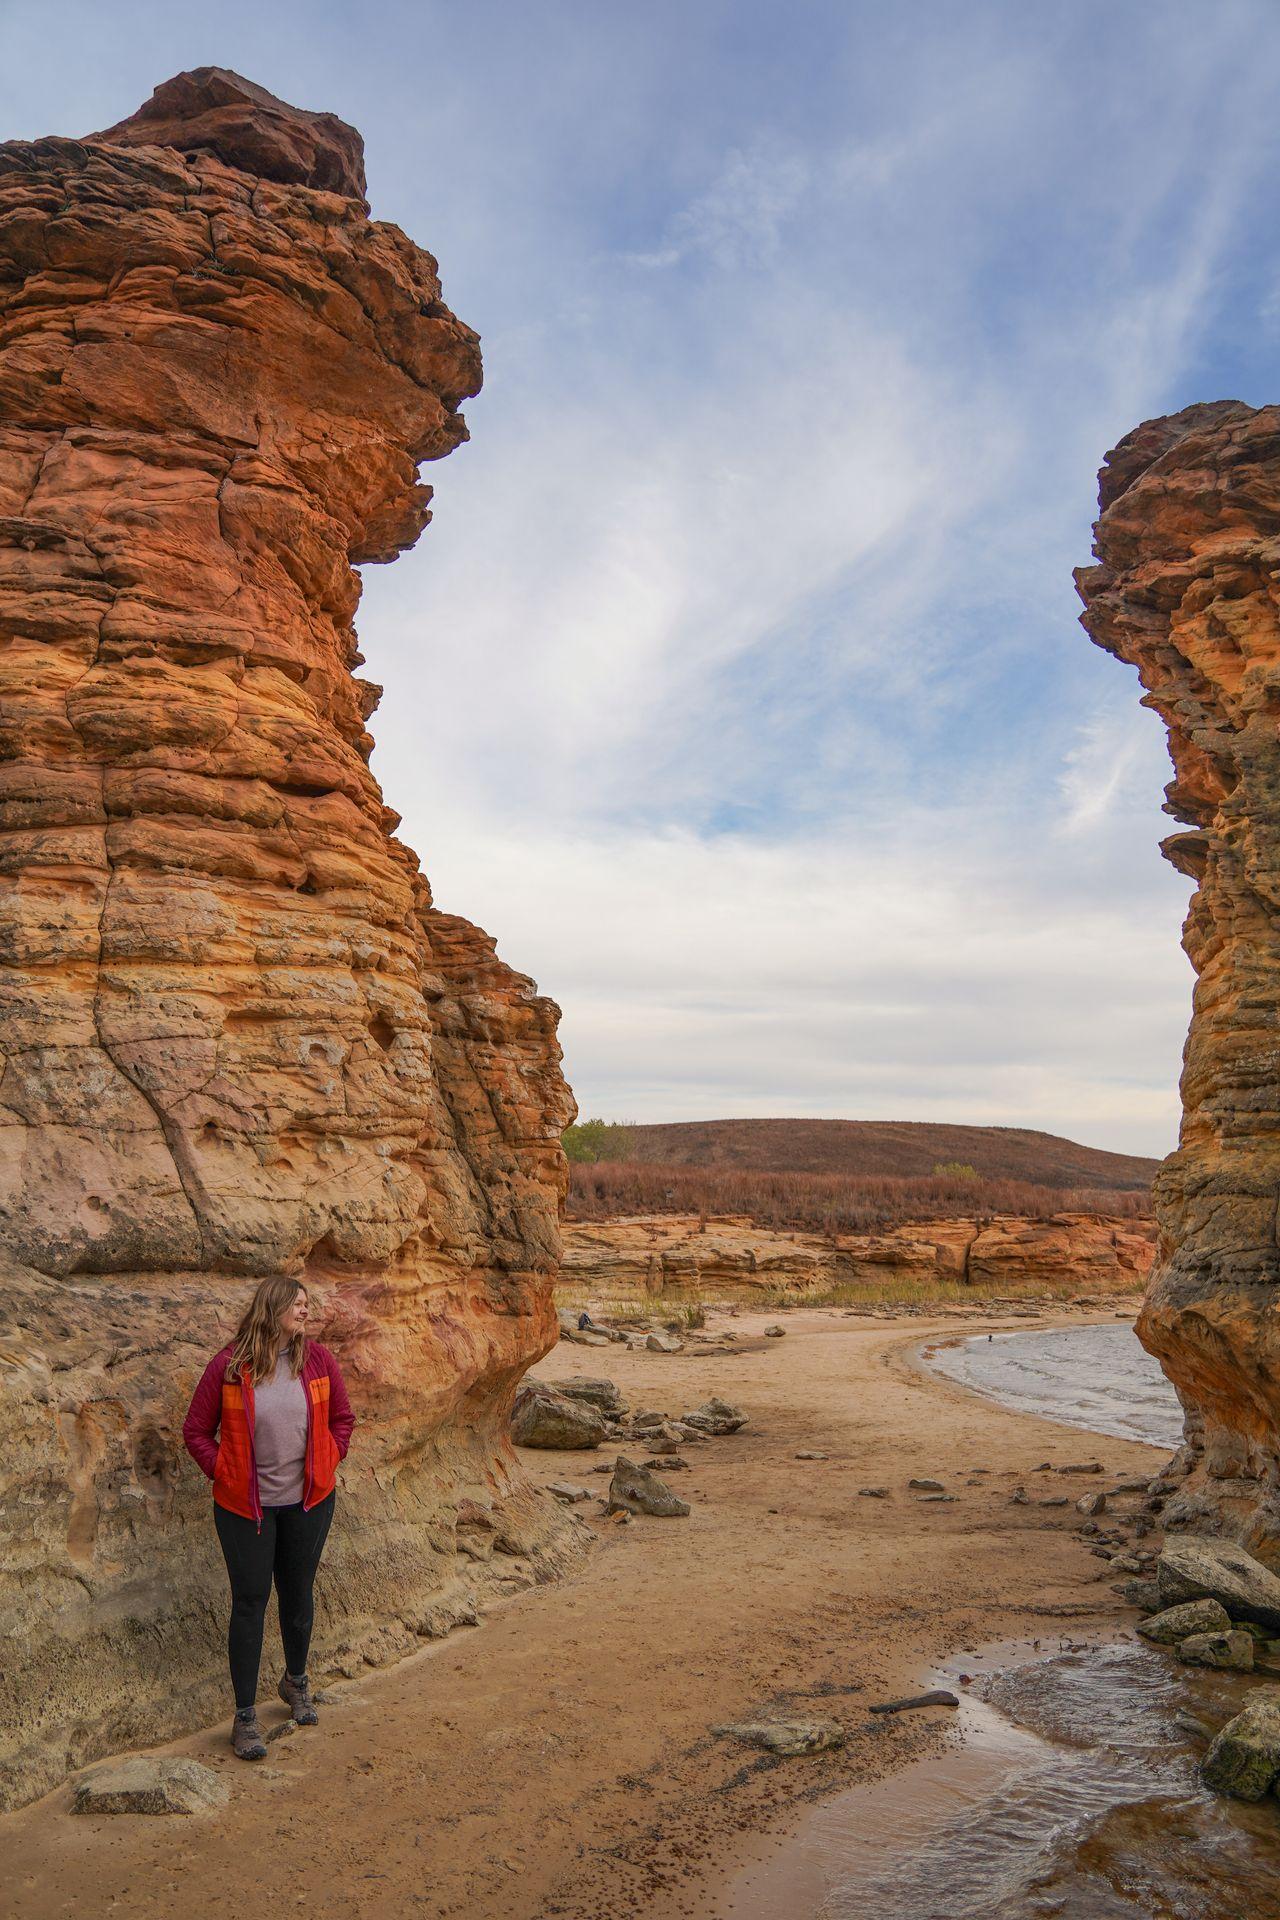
(295, 1319)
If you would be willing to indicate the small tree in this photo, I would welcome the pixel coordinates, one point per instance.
(955, 1170)
(591, 1140)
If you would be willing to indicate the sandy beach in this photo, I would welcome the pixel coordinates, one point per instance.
(559, 1758)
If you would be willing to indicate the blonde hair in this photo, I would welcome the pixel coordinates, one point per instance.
(257, 1338)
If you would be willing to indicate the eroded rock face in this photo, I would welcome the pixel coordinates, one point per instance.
(668, 1252)
(1188, 545)
(236, 1036)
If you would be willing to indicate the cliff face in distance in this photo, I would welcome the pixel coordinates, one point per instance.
(669, 1253)
(1186, 590)
(236, 1037)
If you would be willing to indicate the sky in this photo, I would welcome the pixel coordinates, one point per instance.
(737, 687)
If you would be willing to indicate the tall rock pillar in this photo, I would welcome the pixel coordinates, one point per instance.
(236, 1037)
(1187, 589)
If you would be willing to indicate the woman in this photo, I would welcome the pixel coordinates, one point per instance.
(285, 1422)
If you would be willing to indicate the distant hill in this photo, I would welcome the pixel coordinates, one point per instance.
(908, 1148)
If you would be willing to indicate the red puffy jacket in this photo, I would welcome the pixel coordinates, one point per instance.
(220, 1402)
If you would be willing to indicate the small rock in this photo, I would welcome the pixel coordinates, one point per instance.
(926, 1486)
(1244, 1759)
(939, 1697)
(1130, 1486)
(1232, 1651)
(934, 1499)
(715, 1416)
(774, 1333)
(1092, 1503)
(807, 1455)
(566, 1491)
(1193, 1616)
(873, 1493)
(1056, 1500)
(1141, 1593)
(786, 1736)
(664, 1343)
(670, 1463)
(141, 1784)
(1086, 1466)
(637, 1489)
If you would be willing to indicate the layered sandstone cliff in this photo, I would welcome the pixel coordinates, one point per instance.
(236, 1037)
(1186, 590)
(670, 1254)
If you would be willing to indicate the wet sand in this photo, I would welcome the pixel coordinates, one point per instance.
(558, 1760)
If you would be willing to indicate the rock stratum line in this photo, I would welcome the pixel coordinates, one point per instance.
(1186, 590)
(236, 1037)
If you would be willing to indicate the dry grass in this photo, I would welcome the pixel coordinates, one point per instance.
(828, 1203)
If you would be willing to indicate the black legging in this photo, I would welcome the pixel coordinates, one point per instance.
(288, 1547)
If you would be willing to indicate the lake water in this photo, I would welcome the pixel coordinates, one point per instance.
(1073, 1791)
(1098, 1378)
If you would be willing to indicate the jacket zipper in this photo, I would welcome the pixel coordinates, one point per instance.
(306, 1488)
(253, 1464)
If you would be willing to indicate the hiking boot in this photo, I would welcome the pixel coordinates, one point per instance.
(246, 1736)
(296, 1695)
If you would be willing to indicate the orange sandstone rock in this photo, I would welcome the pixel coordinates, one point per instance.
(236, 1036)
(666, 1253)
(1188, 545)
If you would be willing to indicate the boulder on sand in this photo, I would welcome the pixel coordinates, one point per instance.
(1193, 1616)
(602, 1394)
(141, 1784)
(636, 1489)
(1233, 1651)
(1192, 1568)
(1244, 1759)
(664, 1343)
(544, 1418)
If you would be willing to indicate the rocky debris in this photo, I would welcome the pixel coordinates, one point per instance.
(1244, 1758)
(786, 1736)
(811, 1454)
(664, 1343)
(716, 1417)
(544, 1418)
(669, 1462)
(565, 1490)
(238, 1038)
(1183, 590)
(1129, 1486)
(637, 1489)
(142, 1784)
(1142, 1593)
(663, 1439)
(873, 1493)
(1228, 1650)
(1092, 1503)
(937, 1499)
(1085, 1466)
(1191, 1568)
(774, 1333)
(937, 1697)
(927, 1486)
(1193, 1616)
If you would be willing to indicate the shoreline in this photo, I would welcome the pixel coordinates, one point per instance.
(559, 1760)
